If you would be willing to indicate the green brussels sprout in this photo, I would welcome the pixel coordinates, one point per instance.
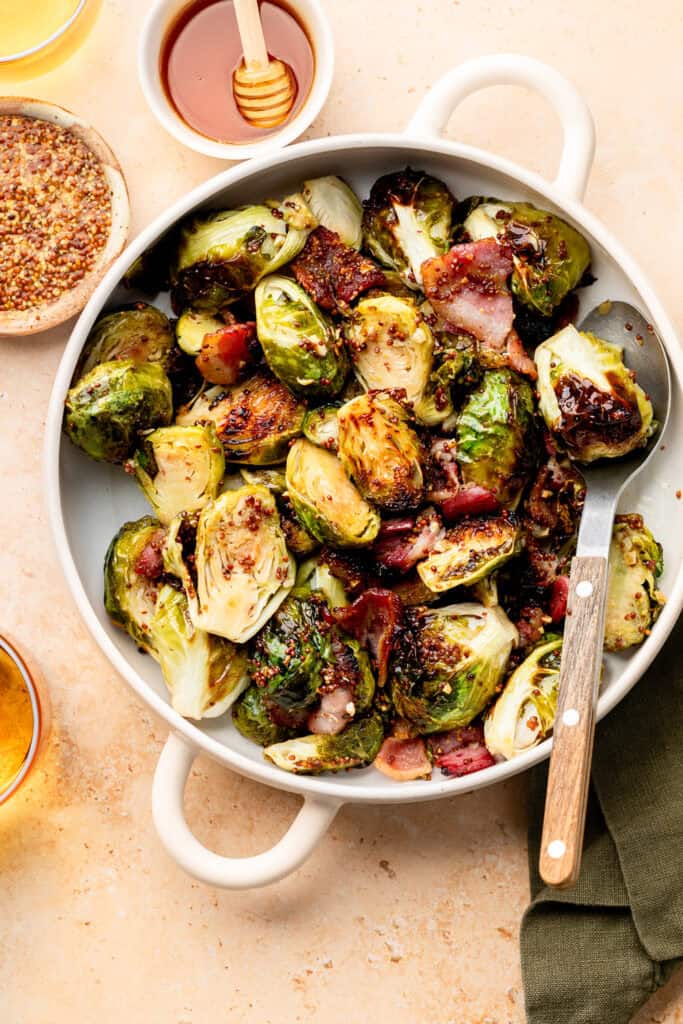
(449, 663)
(381, 452)
(204, 673)
(314, 577)
(272, 477)
(129, 595)
(321, 426)
(179, 469)
(140, 332)
(300, 344)
(223, 255)
(524, 713)
(192, 327)
(336, 207)
(110, 406)
(470, 551)
(295, 211)
(633, 601)
(589, 399)
(495, 435)
(251, 717)
(255, 420)
(299, 541)
(355, 747)
(329, 506)
(391, 347)
(550, 257)
(407, 220)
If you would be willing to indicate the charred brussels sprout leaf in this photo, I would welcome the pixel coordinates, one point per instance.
(179, 469)
(524, 713)
(336, 207)
(380, 451)
(495, 434)
(321, 426)
(407, 220)
(140, 333)
(355, 747)
(329, 506)
(550, 257)
(470, 551)
(449, 664)
(289, 654)
(299, 342)
(130, 594)
(192, 327)
(111, 405)
(633, 601)
(589, 399)
(255, 420)
(251, 717)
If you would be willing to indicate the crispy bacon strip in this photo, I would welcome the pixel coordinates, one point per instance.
(335, 711)
(226, 353)
(402, 543)
(403, 760)
(373, 619)
(333, 273)
(460, 751)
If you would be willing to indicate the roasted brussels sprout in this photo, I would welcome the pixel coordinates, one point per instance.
(179, 469)
(355, 747)
(251, 717)
(223, 255)
(633, 601)
(470, 551)
(111, 405)
(589, 399)
(329, 506)
(140, 333)
(380, 451)
(321, 426)
(204, 673)
(255, 421)
(314, 577)
(192, 327)
(495, 435)
(550, 257)
(299, 541)
(130, 594)
(391, 347)
(524, 713)
(336, 207)
(449, 663)
(299, 342)
(271, 477)
(290, 652)
(407, 220)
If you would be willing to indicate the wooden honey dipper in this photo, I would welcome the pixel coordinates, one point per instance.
(264, 88)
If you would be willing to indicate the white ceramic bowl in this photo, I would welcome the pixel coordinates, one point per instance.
(161, 16)
(88, 502)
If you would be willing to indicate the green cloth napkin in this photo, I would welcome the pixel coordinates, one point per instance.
(593, 954)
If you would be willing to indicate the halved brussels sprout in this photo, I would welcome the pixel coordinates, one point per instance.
(321, 426)
(336, 207)
(299, 342)
(107, 409)
(289, 654)
(223, 255)
(470, 551)
(299, 541)
(524, 713)
(380, 451)
(204, 673)
(243, 569)
(449, 663)
(391, 346)
(329, 506)
(295, 211)
(251, 717)
(549, 255)
(130, 595)
(314, 577)
(272, 478)
(192, 327)
(633, 600)
(495, 435)
(255, 420)
(179, 469)
(588, 397)
(140, 332)
(355, 747)
(407, 220)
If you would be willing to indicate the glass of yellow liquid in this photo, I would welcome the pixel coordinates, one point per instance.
(24, 718)
(36, 35)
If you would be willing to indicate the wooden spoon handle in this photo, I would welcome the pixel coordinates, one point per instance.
(570, 763)
(251, 33)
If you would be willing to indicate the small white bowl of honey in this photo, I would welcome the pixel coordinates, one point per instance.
(187, 57)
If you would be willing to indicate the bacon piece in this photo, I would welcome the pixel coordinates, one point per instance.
(403, 760)
(460, 751)
(446, 489)
(402, 543)
(558, 598)
(333, 273)
(225, 353)
(336, 709)
(150, 562)
(469, 500)
(468, 288)
(531, 624)
(373, 619)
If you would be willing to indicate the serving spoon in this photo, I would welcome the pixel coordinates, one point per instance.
(567, 793)
(264, 87)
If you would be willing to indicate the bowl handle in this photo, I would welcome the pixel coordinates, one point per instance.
(578, 146)
(289, 853)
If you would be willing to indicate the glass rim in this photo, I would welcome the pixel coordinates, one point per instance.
(33, 50)
(30, 757)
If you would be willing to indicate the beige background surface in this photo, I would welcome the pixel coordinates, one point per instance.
(403, 913)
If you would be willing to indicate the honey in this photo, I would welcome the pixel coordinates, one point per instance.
(17, 720)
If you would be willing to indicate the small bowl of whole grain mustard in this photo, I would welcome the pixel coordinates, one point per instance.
(64, 214)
